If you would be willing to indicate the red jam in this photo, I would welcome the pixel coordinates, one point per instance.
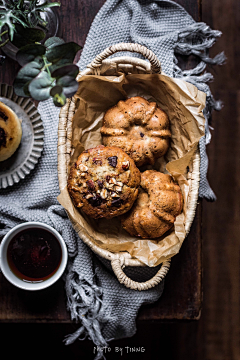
(34, 255)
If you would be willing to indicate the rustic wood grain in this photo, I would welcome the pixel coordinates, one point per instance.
(215, 336)
(221, 219)
(192, 7)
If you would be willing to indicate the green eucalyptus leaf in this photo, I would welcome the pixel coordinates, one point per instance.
(24, 36)
(21, 88)
(29, 52)
(57, 89)
(69, 85)
(40, 87)
(63, 54)
(70, 70)
(26, 74)
(59, 99)
(53, 41)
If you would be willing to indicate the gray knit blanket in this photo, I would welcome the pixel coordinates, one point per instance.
(104, 309)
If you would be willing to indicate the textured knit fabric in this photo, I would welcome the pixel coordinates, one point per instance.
(165, 28)
(105, 309)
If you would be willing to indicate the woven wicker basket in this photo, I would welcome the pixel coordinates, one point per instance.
(126, 64)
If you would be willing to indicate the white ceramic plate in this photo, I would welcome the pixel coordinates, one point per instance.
(31, 285)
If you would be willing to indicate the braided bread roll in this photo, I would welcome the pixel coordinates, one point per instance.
(159, 202)
(138, 127)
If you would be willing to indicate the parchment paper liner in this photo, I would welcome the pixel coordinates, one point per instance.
(183, 103)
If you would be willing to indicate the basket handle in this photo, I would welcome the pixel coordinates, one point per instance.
(118, 264)
(148, 54)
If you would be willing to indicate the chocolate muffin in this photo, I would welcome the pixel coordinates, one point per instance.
(104, 182)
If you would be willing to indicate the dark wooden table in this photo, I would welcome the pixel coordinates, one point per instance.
(182, 297)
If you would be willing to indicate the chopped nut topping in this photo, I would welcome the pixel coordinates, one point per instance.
(114, 194)
(119, 183)
(74, 188)
(109, 186)
(97, 161)
(83, 167)
(88, 196)
(104, 194)
(118, 188)
(112, 181)
(83, 174)
(125, 165)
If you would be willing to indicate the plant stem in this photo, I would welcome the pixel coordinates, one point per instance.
(3, 33)
(5, 42)
(46, 65)
(21, 4)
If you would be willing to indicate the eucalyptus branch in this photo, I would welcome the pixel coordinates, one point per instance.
(46, 65)
(47, 71)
